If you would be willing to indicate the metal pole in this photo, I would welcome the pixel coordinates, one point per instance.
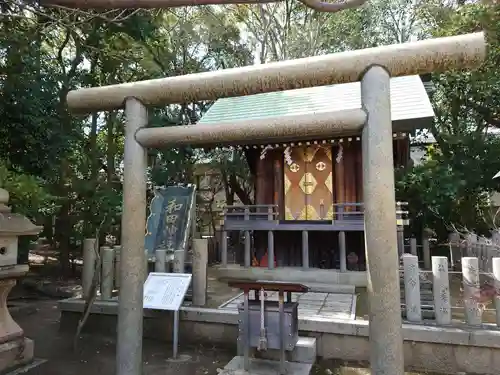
(246, 330)
(385, 330)
(176, 334)
(282, 331)
(130, 314)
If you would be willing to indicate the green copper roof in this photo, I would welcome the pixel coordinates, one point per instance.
(409, 101)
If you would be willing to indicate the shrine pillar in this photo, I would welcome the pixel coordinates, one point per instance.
(382, 260)
(132, 264)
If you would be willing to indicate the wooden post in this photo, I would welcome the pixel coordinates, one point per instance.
(342, 252)
(455, 256)
(496, 275)
(117, 249)
(146, 265)
(470, 271)
(413, 246)
(89, 260)
(270, 240)
(400, 232)
(441, 290)
(412, 288)
(107, 257)
(305, 249)
(223, 240)
(248, 255)
(426, 251)
(401, 241)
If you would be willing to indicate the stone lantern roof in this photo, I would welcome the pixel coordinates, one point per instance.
(12, 224)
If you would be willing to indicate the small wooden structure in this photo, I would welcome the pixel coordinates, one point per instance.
(308, 207)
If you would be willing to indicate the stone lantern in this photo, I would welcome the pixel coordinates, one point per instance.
(15, 348)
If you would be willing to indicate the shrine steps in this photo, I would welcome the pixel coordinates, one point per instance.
(299, 361)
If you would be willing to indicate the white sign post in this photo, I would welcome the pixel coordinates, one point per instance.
(166, 291)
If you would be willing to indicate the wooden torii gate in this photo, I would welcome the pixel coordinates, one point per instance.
(373, 67)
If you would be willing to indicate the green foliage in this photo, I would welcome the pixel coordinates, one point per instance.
(453, 186)
(27, 194)
(69, 168)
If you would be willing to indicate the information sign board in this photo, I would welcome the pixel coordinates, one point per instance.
(165, 291)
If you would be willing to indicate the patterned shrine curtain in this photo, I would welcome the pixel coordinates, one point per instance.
(308, 184)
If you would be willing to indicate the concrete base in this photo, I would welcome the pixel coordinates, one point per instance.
(15, 353)
(427, 347)
(304, 352)
(264, 367)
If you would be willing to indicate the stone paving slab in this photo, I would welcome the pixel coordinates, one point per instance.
(311, 304)
(264, 367)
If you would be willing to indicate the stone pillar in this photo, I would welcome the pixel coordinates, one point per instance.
(412, 288)
(200, 260)
(496, 275)
(161, 259)
(178, 264)
(470, 272)
(89, 260)
(15, 349)
(426, 252)
(130, 315)
(117, 249)
(386, 340)
(441, 290)
(107, 268)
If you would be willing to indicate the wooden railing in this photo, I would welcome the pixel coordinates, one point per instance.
(347, 216)
(341, 212)
(251, 212)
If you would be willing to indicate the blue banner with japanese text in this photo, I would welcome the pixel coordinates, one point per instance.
(169, 218)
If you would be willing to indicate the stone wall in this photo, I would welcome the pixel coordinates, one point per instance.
(452, 349)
